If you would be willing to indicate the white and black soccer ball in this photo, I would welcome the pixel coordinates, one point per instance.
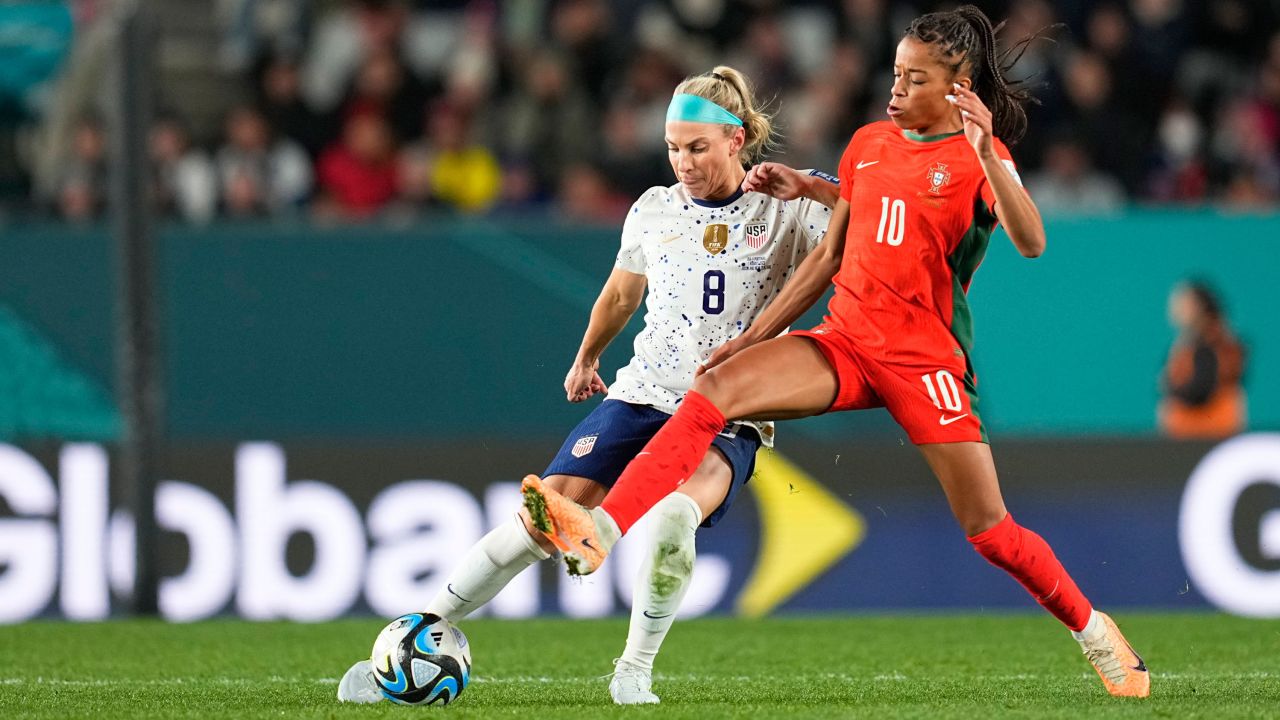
(421, 659)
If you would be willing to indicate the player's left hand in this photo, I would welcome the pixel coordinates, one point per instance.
(722, 353)
(776, 180)
(583, 381)
(976, 118)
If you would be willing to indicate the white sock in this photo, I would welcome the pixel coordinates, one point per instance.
(606, 526)
(664, 577)
(486, 568)
(1091, 628)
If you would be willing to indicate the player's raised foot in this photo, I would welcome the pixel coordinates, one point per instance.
(583, 536)
(1121, 668)
(357, 686)
(631, 684)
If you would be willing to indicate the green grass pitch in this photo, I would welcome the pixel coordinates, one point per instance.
(873, 666)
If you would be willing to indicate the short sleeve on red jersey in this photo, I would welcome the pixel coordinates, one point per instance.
(984, 187)
(847, 161)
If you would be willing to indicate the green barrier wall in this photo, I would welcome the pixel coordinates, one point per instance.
(465, 328)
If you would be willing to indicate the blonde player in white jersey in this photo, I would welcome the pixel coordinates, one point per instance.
(712, 250)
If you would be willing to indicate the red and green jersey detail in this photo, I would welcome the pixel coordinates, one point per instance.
(921, 216)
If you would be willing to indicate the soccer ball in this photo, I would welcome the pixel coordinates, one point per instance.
(421, 659)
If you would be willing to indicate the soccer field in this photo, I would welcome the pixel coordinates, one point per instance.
(1203, 665)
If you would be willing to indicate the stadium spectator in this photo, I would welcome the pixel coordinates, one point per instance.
(549, 122)
(1069, 184)
(358, 173)
(834, 98)
(280, 97)
(345, 37)
(763, 54)
(186, 185)
(340, 43)
(632, 146)
(82, 183)
(1099, 120)
(1203, 396)
(259, 174)
(1244, 147)
(1180, 174)
(384, 86)
(1152, 87)
(448, 167)
(254, 27)
(586, 196)
(580, 31)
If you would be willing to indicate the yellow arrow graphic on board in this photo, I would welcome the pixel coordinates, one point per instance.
(804, 530)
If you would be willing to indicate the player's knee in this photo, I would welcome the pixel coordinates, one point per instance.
(715, 387)
(978, 524)
(999, 542)
(976, 521)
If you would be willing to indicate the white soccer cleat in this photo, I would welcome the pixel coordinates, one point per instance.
(631, 685)
(357, 686)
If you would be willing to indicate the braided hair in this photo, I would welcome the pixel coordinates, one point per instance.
(964, 37)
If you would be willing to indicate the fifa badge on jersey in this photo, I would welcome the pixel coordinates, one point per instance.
(583, 446)
(756, 235)
(938, 176)
(715, 238)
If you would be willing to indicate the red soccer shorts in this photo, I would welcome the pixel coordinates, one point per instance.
(933, 399)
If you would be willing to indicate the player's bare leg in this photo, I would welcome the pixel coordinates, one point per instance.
(779, 379)
(665, 575)
(967, 473)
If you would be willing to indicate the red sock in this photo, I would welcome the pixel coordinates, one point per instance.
(1029, 559)
(666, 462)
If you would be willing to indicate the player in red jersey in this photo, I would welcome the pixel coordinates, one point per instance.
(920, 196)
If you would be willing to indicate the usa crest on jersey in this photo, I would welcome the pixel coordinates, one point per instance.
(756, 235)
(583, 446)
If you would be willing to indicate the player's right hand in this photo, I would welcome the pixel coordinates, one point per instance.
(583, 381)
(722, 353)
(776, 180)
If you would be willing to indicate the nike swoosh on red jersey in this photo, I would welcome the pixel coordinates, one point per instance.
(862, 164)
(944, 420)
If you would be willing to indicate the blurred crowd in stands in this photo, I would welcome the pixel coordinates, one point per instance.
(361, 108)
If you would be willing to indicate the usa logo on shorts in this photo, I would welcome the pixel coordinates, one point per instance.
(757, 234)
(583, 446)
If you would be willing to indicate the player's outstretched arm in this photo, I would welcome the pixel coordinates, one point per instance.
(811, 280)
(621, 295)
(1015, 209)
(786, 183)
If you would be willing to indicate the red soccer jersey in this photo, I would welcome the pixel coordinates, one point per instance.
(921, 214)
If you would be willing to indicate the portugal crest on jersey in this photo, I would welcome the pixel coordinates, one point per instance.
(938, 176)
(755, 235)
(716, 238)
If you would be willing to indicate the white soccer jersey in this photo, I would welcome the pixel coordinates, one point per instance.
(711, 268)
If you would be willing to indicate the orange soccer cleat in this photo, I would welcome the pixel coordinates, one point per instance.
(583, 536)
(1121, 668)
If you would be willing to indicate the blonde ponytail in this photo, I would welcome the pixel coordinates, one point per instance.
(731, 90)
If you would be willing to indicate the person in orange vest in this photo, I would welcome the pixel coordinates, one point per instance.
(1201, 383)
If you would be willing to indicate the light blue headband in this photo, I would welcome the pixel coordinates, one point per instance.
(694, 108)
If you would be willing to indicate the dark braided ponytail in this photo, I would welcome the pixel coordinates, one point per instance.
(964, 37)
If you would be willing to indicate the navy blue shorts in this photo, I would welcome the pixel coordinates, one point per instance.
(607, 439)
